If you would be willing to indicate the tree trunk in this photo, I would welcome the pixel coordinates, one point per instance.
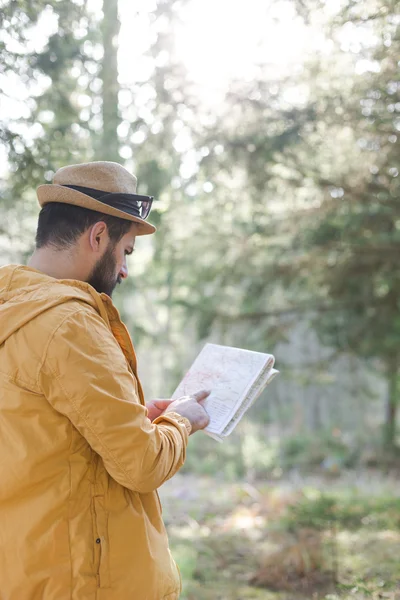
(391, 404)
(109, 75)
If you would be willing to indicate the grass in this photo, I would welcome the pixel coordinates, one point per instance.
(347, 511)
(223, 534)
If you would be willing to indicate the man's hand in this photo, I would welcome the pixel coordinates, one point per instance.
(155, 408)
(191, 407)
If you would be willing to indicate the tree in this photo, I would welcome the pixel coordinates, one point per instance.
(74, 77)
(44, 125)
(353, 239)
(110, 26)
(327, 249)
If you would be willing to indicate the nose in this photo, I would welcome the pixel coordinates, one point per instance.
(124, 271)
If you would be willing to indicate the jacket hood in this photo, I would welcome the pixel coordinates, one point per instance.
(25, 293)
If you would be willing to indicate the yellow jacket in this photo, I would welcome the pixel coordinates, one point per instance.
(80, 464)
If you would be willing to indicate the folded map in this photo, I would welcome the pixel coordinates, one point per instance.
(236, 378)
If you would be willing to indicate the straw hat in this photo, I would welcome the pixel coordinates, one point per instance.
(103, 186)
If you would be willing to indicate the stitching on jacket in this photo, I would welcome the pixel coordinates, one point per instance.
(21, 383)
(11, 276)
(51, 336)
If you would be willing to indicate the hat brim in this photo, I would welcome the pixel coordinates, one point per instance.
(52, 192)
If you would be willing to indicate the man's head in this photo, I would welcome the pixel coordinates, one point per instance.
(96, 243)
(90, 217)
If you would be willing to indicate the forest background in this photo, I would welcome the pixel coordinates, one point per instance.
(268, 132)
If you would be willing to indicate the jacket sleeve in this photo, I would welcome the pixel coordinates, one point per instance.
(84, 375)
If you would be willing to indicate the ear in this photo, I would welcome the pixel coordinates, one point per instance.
(98, 236)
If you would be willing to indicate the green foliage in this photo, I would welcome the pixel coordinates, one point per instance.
(338, 242)
(324, 450)
(204, 460)
(317, 513)
(325, 511)
(52, 132)
(186, 557)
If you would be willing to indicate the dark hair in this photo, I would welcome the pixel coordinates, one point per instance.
(60, 225)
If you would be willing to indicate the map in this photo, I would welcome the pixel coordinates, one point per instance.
(229, 373)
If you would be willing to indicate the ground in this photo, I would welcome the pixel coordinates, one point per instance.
(271, 540)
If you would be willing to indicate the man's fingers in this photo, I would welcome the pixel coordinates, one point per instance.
(162, 403)
(202, 395)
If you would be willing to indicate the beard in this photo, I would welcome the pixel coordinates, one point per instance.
(103, 277)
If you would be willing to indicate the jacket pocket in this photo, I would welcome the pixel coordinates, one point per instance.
(101, 542)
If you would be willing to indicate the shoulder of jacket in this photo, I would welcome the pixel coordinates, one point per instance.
(52, 319)
(75, 323)
(74, 310)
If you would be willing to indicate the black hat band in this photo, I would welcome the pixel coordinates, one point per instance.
(133, 204)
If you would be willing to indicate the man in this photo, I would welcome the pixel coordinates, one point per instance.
(81, 454)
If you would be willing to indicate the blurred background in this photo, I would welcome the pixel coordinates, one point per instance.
(268, 131)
